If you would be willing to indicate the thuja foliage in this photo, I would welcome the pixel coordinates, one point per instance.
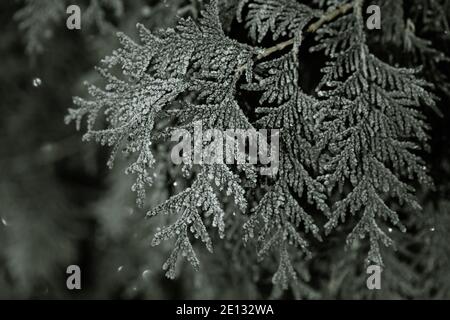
(373, 126)
(41, 19)
(353, 130)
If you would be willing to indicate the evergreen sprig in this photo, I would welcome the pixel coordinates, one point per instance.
(359, 139)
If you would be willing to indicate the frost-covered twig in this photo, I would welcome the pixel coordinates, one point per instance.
(327, 17)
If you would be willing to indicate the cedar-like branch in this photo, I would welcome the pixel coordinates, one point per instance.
(327, 17)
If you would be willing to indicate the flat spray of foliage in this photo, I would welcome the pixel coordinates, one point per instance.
(350, 150)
